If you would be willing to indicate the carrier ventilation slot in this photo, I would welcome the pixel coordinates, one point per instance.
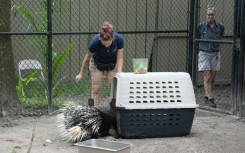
(151, 119)
(154, 92)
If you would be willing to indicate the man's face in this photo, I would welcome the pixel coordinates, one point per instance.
(210, 16)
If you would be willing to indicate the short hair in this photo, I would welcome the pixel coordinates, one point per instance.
(106, 32)
(210, 7)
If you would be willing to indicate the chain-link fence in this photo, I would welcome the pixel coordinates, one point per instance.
(155, 29)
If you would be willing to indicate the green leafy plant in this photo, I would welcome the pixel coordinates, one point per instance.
(42, 82)
(40, 26)
(24, 82)
(140, 68)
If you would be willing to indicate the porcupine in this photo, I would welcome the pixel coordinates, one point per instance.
(79, 123)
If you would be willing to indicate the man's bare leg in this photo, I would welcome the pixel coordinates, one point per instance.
(207, 84)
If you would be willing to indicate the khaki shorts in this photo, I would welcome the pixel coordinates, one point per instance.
(93, 68)
(208, 61)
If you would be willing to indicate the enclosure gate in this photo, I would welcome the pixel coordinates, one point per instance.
(228, 88)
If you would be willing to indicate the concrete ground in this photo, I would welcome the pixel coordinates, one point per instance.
(210, 133)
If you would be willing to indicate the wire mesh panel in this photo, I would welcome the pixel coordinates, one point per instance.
(222, 85)
(153, 29)
(167, 56)
(31, 71)
(136, 17)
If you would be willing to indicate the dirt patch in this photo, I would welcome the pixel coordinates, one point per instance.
(211, 132)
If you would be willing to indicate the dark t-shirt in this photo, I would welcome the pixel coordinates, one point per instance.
(103, 54)
(204, 31)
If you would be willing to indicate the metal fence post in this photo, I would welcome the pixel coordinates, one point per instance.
(189, 59)
(49, 6)
(236, 32)
(196, 21)
(241, 61)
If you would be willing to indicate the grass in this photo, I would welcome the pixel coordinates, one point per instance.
(73, 89)
(35, 102)
(35, 98)
(83, 89)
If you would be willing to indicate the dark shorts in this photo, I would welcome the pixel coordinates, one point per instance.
(93, 68)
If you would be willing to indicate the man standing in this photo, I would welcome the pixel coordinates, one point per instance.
(209, 53)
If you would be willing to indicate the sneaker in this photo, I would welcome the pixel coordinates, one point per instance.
(211, 103)
(205, 100)
(90, 102)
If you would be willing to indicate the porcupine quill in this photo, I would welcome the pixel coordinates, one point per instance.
(78, 123)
